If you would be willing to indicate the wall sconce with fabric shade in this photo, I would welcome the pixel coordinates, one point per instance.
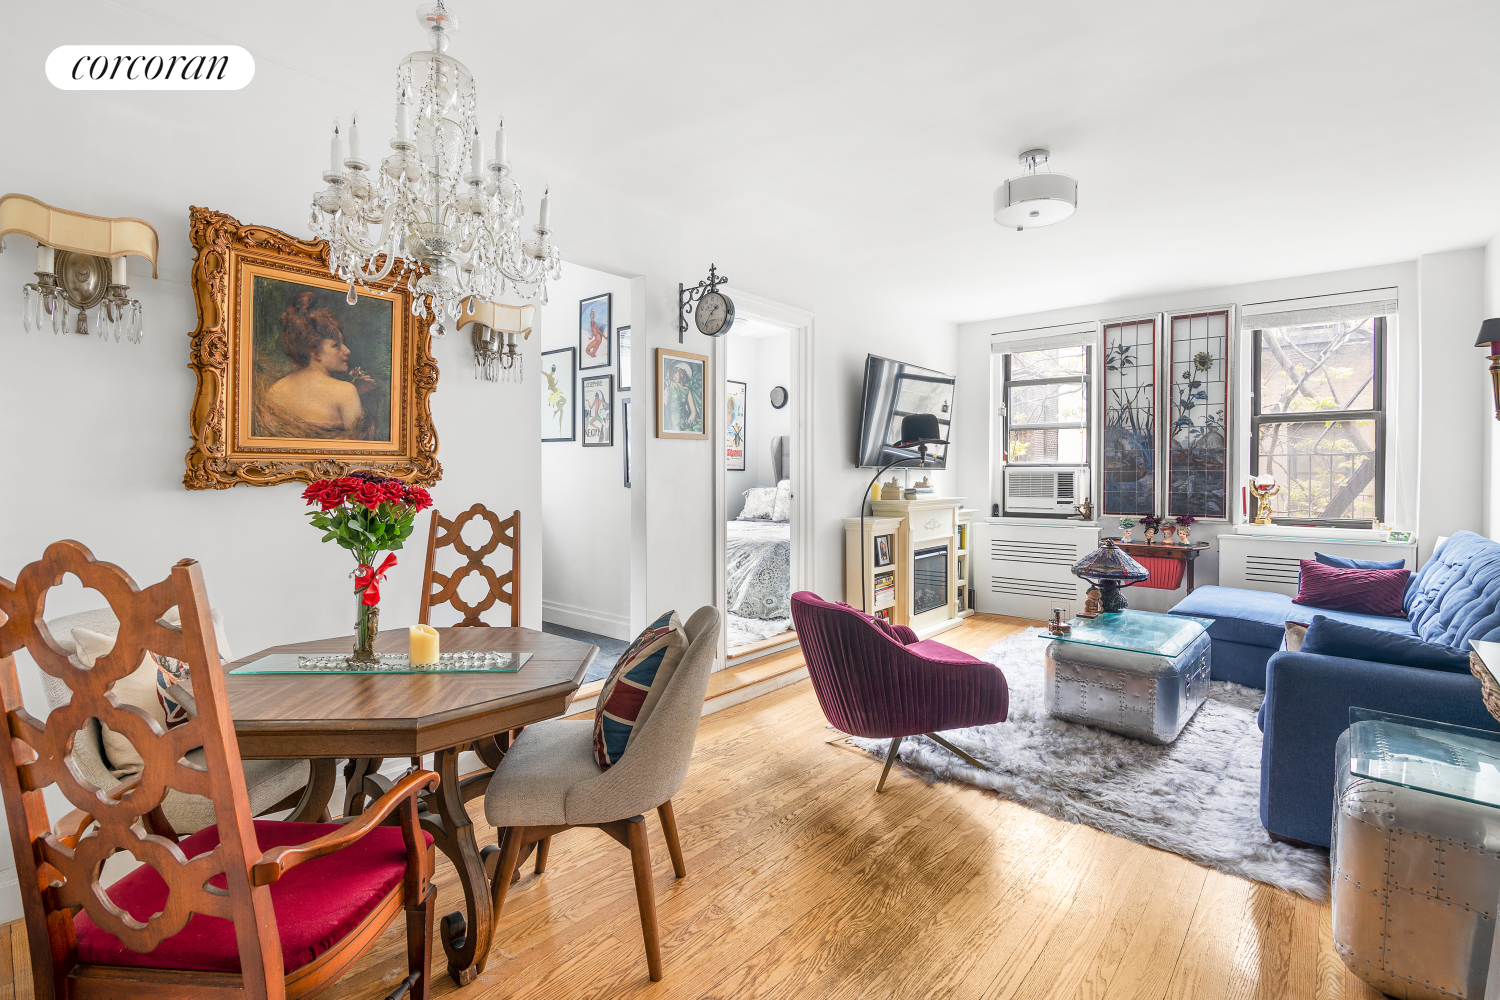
(494, 331)
(1110, 567)
(80, 263)
(1489, 336)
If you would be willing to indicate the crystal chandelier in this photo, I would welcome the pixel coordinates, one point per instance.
(455, 232)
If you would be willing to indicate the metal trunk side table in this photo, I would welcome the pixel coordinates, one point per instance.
(1416, 855)
(1136, 673)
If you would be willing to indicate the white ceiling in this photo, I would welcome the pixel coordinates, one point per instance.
(1214, 143)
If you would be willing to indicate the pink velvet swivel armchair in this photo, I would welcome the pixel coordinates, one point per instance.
(877, 681)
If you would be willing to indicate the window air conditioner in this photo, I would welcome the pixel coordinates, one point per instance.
(1056, 490)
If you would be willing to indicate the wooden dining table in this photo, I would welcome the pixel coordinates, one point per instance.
(364, 717)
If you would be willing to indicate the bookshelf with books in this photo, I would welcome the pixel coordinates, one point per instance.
(881, 573)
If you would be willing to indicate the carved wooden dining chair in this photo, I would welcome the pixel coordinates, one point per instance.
(247, 907)
(505, 588)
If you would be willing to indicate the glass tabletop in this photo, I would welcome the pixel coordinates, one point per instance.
(1454, 761)
(390, 663)
(1138, 631)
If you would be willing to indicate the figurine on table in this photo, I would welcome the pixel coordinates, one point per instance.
(1126, 526)
(1093, 607)
(1152, 525)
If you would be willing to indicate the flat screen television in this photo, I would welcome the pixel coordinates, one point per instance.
(894, 390)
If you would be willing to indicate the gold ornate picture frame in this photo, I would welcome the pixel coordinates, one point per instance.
(294, 383)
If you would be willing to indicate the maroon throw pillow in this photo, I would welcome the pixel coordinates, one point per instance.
(1367, 591)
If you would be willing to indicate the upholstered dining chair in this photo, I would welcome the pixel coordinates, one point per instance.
(505, 588)
(876, 681)
(263, 909)
(549, 782)
(272, 785)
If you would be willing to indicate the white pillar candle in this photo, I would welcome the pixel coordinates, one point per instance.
(500, 141)
(403, 122)
(117, 272)
(335, 157)
(44, 258)
(354, 136)
(476, 155)
(546, 207)
(423, 644)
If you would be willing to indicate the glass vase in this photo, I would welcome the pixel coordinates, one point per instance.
(366, 626)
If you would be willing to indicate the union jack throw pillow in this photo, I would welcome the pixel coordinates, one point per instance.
(635, 685)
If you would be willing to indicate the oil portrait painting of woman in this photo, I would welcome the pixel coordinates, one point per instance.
(320, 368)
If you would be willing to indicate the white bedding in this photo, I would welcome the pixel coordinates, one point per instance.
(759, 583)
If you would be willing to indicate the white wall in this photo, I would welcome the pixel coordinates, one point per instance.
(585, 505)
(760, 362)
(1487, 420)
(1439, 298)
(1455, 397)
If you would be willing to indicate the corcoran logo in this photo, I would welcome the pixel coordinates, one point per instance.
(150, 67)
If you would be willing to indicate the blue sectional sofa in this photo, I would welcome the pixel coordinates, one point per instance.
(1454, 598)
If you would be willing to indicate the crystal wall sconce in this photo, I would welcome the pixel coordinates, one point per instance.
(493, 329)
(80, 264)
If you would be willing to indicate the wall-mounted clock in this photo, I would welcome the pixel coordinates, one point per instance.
(714, 315)
(778, 397)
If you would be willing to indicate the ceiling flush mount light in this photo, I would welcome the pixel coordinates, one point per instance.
(1035, 199)
(80, 262)
(435, 205)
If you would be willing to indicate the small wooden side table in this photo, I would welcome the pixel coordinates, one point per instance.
(1167, 550)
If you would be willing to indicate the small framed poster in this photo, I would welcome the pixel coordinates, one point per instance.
(681, 387)
(594, 332)
(622, 348)
(558, 372)
(596, 399)
(734, 426)
(882, 550)
(625, 427)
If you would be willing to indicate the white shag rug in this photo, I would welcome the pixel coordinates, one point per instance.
(1198, 797)
(745, 630)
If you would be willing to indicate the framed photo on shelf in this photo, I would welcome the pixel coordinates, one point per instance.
(557, 394)
(625, 428)
(596, 399)
(882, 550)
(734, 426)
(622, 349)
(594, 332)
(681, 383)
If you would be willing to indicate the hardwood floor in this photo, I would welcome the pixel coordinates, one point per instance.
(802, 882)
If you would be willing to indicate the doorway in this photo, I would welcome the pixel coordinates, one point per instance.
(584, 392)
(758, 511)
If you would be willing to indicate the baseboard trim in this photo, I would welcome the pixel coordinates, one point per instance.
(739, 696)
(597, 622)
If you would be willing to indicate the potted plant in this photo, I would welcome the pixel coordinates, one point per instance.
(367, 514)
(1184, 527)
(1126, 525)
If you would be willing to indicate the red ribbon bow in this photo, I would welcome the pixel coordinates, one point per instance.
(367, 579)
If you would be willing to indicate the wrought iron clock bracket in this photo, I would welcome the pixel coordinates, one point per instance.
(687, 296)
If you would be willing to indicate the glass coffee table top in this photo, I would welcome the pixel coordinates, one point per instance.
(390, 663)
(1138, 631)
(1454, 761)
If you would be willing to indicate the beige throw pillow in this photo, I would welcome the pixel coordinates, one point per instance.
(782, 509)
(1295, 633)
(760, 503)
(137, 688)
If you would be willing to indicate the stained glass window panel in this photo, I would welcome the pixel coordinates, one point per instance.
(1326, 470)
(1130, 418)
(1198, 458)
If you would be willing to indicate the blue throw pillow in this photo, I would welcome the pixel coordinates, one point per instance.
(1330, 637)
(1339, 562)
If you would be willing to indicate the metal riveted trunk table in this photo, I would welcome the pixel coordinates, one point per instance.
(1136, 673)
(1416, 855)
(366, 717)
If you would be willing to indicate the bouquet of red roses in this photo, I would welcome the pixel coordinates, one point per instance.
(366, 513)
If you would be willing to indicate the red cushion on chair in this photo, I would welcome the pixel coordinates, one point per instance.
(931, 649)
(317, 903)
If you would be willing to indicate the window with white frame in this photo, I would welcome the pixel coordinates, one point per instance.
(1318, 412)
(1046, 406)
